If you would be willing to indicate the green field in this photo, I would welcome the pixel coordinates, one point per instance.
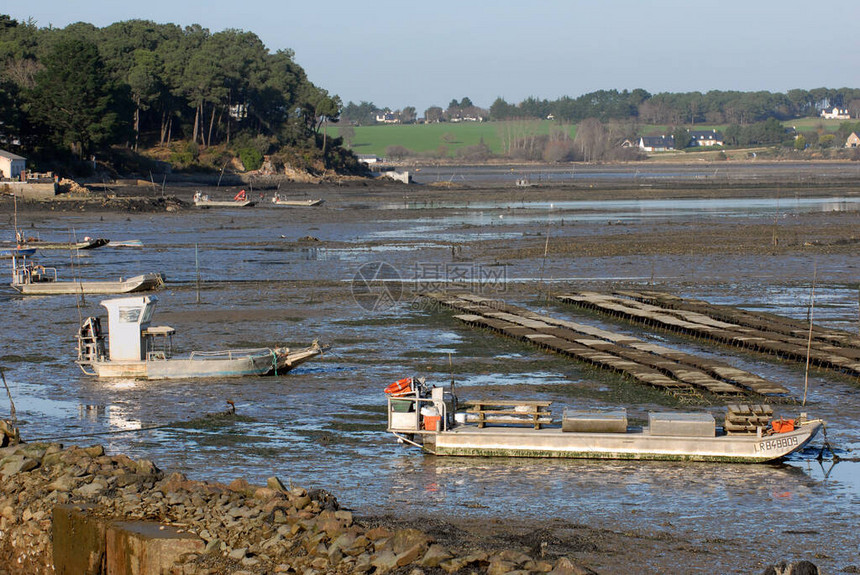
(423, 138)
(428, 138)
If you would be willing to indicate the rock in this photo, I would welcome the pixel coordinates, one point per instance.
(173, 482)
(408, 538)
(17, 464)
(499, 567)
(275, 484)
(239, 485)
(94, 451)
(410, 555)
(378, 533)
(146, 467)
(33, 451)
(457, 563)
(384, 561)
(90, 489)
(434, 555)
(565, 566)
(265, 493)
(799, 568)
(301, 502)
(63, 483)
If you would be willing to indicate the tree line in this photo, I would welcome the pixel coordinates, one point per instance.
(689, 108)
(82, 90)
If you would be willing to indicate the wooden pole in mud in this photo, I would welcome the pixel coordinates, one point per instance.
(9, 393)
(197, 270)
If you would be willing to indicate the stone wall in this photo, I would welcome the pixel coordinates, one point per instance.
(29, 191)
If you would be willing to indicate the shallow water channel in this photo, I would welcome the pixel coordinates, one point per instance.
(242, 278)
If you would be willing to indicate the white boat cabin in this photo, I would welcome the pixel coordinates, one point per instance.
(130, 336)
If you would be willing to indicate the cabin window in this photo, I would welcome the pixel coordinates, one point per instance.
(129, 314)
(147, 314)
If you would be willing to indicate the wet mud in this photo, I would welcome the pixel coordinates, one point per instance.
(265, 276)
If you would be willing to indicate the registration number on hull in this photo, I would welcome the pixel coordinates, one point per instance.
(777, 443)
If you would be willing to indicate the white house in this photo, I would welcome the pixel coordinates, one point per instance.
(11, 165)
(853, 141)
(387, 118)
(706, 138)
(657, 143)
(836, 114)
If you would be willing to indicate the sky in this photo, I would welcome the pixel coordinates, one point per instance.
(409, 53)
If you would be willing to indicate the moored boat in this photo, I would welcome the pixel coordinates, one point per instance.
(86, 244)
(279, 200)
(30, 278)
(240, 200)
(133, 348)
(16, 252)
(429, 418)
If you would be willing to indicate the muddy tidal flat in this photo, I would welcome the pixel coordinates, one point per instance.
(758, 238)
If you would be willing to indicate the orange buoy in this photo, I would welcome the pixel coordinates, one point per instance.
(400, 387)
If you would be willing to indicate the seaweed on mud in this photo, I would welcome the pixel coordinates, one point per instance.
(27, 358)
(353, 427)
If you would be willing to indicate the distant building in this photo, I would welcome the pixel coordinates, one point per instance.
(387, 118)
(836, 114)
(657, 143)
(706, 138)
(11, 165)
(853, 141)
(368, 158)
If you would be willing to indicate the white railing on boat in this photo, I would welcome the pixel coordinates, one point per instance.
(230, 354)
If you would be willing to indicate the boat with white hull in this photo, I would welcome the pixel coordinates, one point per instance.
(494, 428)
(278, 200)
(240, 200)
(133, 348)
(29, 278)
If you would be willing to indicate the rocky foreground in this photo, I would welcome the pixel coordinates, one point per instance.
(242, 528)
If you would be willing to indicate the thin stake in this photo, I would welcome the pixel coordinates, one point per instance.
(9, 393)
(809, 340)
(197, 268)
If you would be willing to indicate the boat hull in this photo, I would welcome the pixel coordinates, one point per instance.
(469, 440)
(297, 203)
(239, 363)
(17, 253)
(145, 282)
(83, 245)
(223, 204)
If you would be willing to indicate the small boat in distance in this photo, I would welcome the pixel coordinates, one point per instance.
(88, 243)
(127, 244)
(30, 278)
(432, 419)
(134, 348)
(7, 253)
(279, 200)
(240, 200)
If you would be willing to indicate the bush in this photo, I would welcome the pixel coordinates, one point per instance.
(251, 158)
